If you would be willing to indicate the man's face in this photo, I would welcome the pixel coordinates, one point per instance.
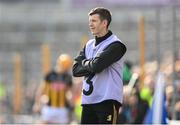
(96, 25)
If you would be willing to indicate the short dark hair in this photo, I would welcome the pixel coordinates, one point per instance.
(103, 13)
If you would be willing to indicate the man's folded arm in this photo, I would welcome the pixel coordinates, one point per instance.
(78, 70)
(110, 54)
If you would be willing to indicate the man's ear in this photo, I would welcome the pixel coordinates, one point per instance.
(105, 22)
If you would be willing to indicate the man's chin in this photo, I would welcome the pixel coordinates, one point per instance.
(93, 33)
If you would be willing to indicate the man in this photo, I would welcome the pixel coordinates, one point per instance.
(101, 63)
(52, 93)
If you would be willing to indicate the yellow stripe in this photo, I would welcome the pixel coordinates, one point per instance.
(62, 96)
(114, 115)
(46, 89)
(53, 94)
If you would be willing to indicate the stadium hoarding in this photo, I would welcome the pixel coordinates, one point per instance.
(127, 2)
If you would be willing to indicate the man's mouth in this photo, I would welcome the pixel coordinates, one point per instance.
(92, 28)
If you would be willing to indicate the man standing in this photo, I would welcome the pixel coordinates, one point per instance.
(101, 63)
(51, 96)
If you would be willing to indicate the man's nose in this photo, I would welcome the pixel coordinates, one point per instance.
(90, 23)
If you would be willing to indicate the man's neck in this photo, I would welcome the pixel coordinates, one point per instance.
(100, 39)
(102, 34)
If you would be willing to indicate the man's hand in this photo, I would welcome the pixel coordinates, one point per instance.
(80, 57)
(78, 69)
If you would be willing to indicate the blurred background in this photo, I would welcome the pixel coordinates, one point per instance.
(33, 33)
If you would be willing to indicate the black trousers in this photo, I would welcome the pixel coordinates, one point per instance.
(105, 112)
